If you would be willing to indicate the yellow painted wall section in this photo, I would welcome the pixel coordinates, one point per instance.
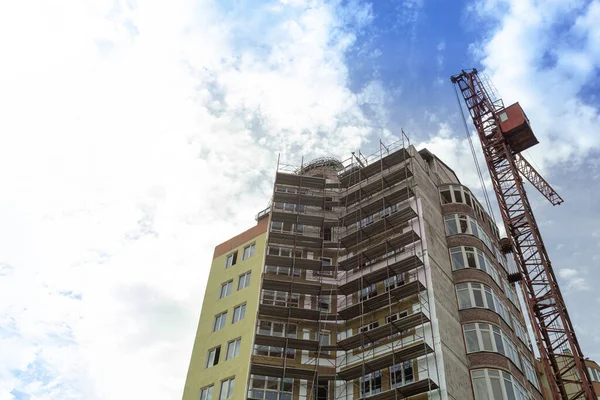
(198, 375)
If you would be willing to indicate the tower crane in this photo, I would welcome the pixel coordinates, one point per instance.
(504, 133)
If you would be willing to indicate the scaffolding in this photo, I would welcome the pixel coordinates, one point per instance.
(344, 309)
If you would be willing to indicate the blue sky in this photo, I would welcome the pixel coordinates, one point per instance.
(127, 123)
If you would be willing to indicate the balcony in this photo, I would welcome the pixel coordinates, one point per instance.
(402, 392)
(365, 190)
(291, 238)
(372, 253)
(303, 218)
(383, 331)
(296, 285)
(355, 236)
(410, 352)
(269, 310)
(267, 366)
(376, 203)
(358, 281)
(297, 262)
(381, 300)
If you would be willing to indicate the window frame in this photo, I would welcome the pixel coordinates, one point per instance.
(222, 318)
(237, 343)
(251, 248)
(212, 357)
(231, 259)
(241, 308)
(207, 392)
(228, 287)
(244, 280)
(230, 382)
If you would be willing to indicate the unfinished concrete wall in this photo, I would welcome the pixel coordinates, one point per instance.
(449, 330)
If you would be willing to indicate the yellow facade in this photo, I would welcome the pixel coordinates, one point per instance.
(199, 376)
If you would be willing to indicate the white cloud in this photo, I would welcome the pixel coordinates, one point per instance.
(136, 137)
(574, 280)
(544, 55)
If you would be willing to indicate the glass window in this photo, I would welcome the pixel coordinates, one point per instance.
(458, 196)
(487, 337)
(324, 340)
(239, 313)
(451, 225)
(230, 260)
(212, 358)
(457, 258)
(225, 289)
(248, 251)
(271, 388)
(491, 384)
(227, 389)
(244, 280)
(370, 384)
(401, 374)
(233, 349)
(206, 393)
(446, 196)
(220, 321)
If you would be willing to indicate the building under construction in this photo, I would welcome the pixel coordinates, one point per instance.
(379, 276)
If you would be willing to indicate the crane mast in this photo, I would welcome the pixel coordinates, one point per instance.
(504, 132)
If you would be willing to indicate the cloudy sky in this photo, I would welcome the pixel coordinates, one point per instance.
(136, 135)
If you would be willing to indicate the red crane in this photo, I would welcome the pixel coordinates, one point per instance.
(504, 133)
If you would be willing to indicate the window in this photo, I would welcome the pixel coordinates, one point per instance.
(248, 251)
(326, 271)
(233, 349)
(401, 374)
(282, 299)
(368, 292)
(487, 337)
(446, 196)
(395, 317)
(230, 260)
(393, 282)
(477, 295)
(282, 270)
(227, 389)
(503, 116)
(367, 221)
(284, 252)
(388, 211)
(369, 327)
(511, 294)
(324, 303)
(326, 233)
(594, 374)
(206, 393)
(226, 289)
(220, 321)
(271, 388)
(529, 370)
(280, 329)
(244, 280)
(520, 330)
(464, 224)
(239, 313)
(470, 257)
(493, 384)
(370, 384)
(213, 357)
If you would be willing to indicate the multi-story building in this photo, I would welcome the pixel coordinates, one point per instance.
(379, 277)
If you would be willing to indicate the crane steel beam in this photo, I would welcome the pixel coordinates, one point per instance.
(559, 349)
(536, 180)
